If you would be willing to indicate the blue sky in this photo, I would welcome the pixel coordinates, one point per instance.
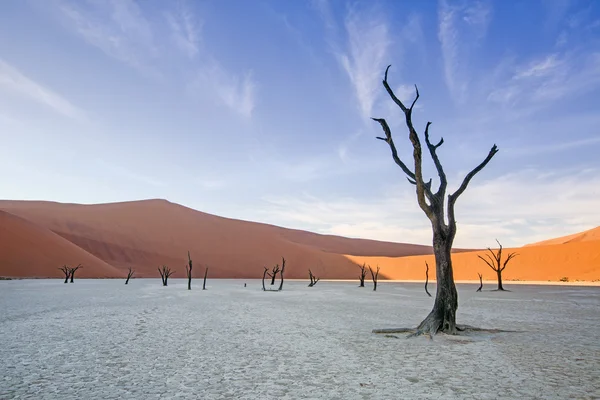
(260, 110)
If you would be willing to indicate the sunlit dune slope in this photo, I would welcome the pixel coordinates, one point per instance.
(586, 236)
(146, 234)
(574, 260)
(28, 250)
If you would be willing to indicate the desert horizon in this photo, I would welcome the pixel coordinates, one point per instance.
(38, 237)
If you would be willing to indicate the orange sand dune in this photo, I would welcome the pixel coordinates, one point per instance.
(576, 261)
(146, 234)
(28, 250)
(586, 236)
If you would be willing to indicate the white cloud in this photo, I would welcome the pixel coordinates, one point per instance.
(365, 61)
(12, 80)
(556, 204)
(185, 30)
(461, 28)
(118, 28)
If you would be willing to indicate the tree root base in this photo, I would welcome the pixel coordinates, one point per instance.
(459, 328)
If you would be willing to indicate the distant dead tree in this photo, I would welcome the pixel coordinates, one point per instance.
(495, 262)
(129, 275)
(72, 271)
(363, 274)
(480, 282)
(374, 276)
(273, 274)
(275, 270)
(188, 271)
(205, 275)
(427, 279)
(433, 203)
(313, 279)
(67, 271)
(165, 273)
(281, 273)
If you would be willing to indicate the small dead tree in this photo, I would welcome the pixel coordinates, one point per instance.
(188, 271)
(281, 273)
(363, 274)
(273, 274)
(264, 277)
(480, 282)
(313, 279)
(165, 273)
(495, 262)
(67, 271)
(205, 275)
(72, 271)
(374, 276)
(129, 275)
(433, 203)
(427, 279)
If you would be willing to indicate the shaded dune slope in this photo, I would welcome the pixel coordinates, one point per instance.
(146, 234)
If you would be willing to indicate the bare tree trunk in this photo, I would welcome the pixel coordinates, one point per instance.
(188, 271)
(499, 273)
(363, 274)
(263, 279)
(129, 275)
(67, 273)
(374, 276)
(480, 282)
(281, 273)
(72, 272)
(427, 279)
(443, 315)
(205, 275)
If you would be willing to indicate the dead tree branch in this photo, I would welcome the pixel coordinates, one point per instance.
(480, 282)
(205, 275)
(188, 271)
(281, 273)
(67, 273)
(427, 279)
(313, 279)
(73, 270)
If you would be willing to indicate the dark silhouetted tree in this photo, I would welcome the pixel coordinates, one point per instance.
(165, 273)
(374, 276)
(73, 270)
(67, 271)
(495, 262)
(313, 279)
(273, 274)
(363, 274)
(480, 282)
(427, 278)
(188, 271)
(129, 275)
(205, 275)
(433, 203)
(281, 273)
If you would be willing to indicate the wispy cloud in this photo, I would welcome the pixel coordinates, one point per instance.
(368, 43)
(550, 78)
(462, 27)
(488, 209)
(116, 27)
(185, 30)
(234, 91)
(13, 80)
(128, 174)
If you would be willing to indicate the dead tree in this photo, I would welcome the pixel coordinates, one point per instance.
(188, 271)
(281, 273)
(205, 275)
(129, 275)
(72, 271)
(67, 271)
(433, 203)
(495, 262)
(165, 273)
(363, 274)
(480, 282)
(264, 276)
(374, 276)
(427, 279)
(313, 279)
(273, 274)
